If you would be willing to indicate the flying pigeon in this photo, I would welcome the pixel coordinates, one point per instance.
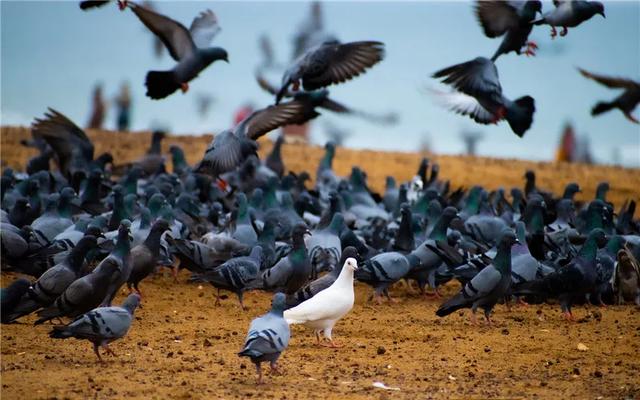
(230, 148)
(268, 337)
(626, 102)
(570, 13)
(329, 63)
(101, 325)
(511, 19)
(187, 47)
(488, 287)
(479, 95)
(322, 311)
(89, 4)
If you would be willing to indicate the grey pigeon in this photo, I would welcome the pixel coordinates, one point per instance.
(572, 281)
(488, 287)
(121, 258)
(479, 95)
(329, 63)
(101, 325)
(187, 47)
(230, 148)
(144, 257)
(54, 281)
(312, 288)
(626, 278)
(268, 337)
(511, 19)
(324, 245)
(293, 271)
(569, 14)
(10, 297)
(626, 102)
(235, 274)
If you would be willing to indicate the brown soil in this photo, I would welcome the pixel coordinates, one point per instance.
(181, 346)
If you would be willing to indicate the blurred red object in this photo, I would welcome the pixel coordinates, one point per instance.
(567, 147)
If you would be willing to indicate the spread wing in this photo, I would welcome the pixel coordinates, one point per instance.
(176, 38)
(338, 63)
(267, 119)
(620, 83)
(496, 17)
(204, 28)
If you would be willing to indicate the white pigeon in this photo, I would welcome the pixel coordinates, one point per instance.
(322, 311)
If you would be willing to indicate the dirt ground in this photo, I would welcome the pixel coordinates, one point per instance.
(182, 346)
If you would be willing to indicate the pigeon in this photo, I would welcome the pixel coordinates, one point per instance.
(121, 258)
(274, 159)
(73, 148)
(511, 19)
(626, 102)
(54, 281)
(144, 257)
(89, 4)
(268, 337)
(488, 287)
(101, 325)
(569, 14)
(11, 296)
(293, 271)
(235, 274)
(230, 148)
(572, 281)
(479, 95)
(329, 63)
(314, 287)
(187, 47)
(625, 280)
(324, 245)
(322, 311)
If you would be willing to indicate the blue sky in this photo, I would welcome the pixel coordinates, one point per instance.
(53, 54)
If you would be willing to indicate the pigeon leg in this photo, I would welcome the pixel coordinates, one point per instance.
(122, 4)
(332, 344)
(318, 343)
(217, 303)
(522, 303)
(631, 118)
(108, 349)
(184, 87)
(487, 317)
(240, 295)
(386, 293)
(295, 85)
(564, 31)
(474, 320)
(174, 273)
(259, 370)
(222, 184)
(568, 316)
(275, 369)
(499, 114)
(532, 44)
(95, 350)
(554, 33)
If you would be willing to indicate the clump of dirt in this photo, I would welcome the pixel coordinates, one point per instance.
(182, 346)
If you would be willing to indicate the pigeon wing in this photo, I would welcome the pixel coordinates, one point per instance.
(176, 38)
(610, 81)
(496, 17)
(337, 63)
(204, 28)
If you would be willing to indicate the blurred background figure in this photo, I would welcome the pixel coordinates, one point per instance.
(471, 139)
(573, 147)
(158, 46)
(336, 134)
(98, 108)
(242, 113)
(123, 107)
(204, 102)
(311, 31)
(567, 146)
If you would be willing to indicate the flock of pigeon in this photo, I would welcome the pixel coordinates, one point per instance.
(83, 232)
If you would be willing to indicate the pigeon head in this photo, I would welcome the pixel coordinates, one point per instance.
(390, 182)
(279, 302)
(598, 8)
(94, 230)
(535, 5)
(160, 225)
(131, 302)
(508, 238)
(570, 190)
(300, 230)
(599, 236)
(351, 264)
(214, 54)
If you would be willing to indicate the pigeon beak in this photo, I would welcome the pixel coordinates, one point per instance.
(226, 59)
(518, 241)
(308, 232)
(603, 16)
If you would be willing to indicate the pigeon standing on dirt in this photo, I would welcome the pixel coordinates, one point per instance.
(626, 102)
(569, 14)
(479, 95)
(100, 326)
(268, 337)
(626, 278)
(488, 287)
(511, 19)
(329, 63)
(144, 257)
(10, 297)
(187, 47)
(322, 311)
